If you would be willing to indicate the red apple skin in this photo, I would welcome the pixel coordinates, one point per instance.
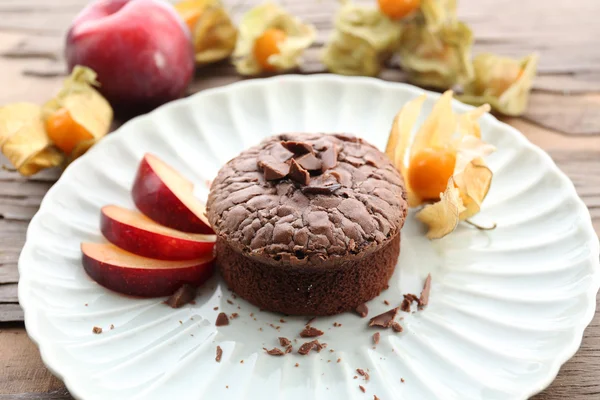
(146, 243)
(154, 198)
(140, 49)
(144, 282)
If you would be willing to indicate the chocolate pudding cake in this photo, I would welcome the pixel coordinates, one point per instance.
(308, 224)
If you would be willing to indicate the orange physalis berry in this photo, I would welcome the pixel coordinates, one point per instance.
(64, 131)
(396, 9)
(267, 45)
(429, 171)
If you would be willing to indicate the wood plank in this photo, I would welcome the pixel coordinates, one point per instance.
(11, 312)
(8, 293)
(9, 273)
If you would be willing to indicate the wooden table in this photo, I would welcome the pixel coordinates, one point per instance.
(563, 118)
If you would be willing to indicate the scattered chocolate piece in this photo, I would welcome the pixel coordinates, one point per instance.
(282, 321)
(229, 301)
(288, 349)
(387, 303)
(335, 324)
(86, 304)
(309, 162)
(298, 148)
(182, 296)
(97, 330)
(384, 320)
(277, 327)
(424, 299)
(234, 315)
(376, 337)
(298, 173)
(241, 361)
(411, 297)
(405, 306)
(362, 372)
(297, 365)
(215, 308)
(284, 341)
(339, 360)
(362, 310)
(112, 327)
(328, 158)
(362, 388)
(319, 346)
(252, 314)
(222, 319)
(355, 377)
(309, 331)
(375, 397)
(219, 354)
(306, 348)
(402, 380)
(274, 351)
(396, 327)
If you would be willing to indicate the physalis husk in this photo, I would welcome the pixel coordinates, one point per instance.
(23, 139)
(502, 82)
(213, 33)
(438, 13)
(443, 163)
(270, 39)
(362, 41)
(78, 116)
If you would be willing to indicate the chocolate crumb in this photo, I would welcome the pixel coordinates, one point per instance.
(229, 301)
(180, 322)
(112, 326)
(362, 310)
(219, 354)
(239, 308)
(298, 173)
(387, 303)
(339, 360)
(215, 308)
(227, 387)
(384, 320)
(375, 397)
(284, 341)
(282, 321)
(241, 361)
(362, 388)
(289, 349)
(309, 331)
(424, 299)
(234, 315)
(376, 337)
(405, 306)
(402, 380)
(277, 327)
(362, 372)
(182, 296)
(97, 330)
(411, 297)
(396, 327)
(252, 314)
(297, 365)
(298, 148)
(319, 346)
(234, 296)
(86, 304)
(222, 319)
(274, 351)
(306, 347)
(355, 377)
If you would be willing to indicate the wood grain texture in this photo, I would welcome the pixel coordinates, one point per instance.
(563, 118)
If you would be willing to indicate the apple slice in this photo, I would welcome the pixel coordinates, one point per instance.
(136, 233)
(165, 196)
(127, 273)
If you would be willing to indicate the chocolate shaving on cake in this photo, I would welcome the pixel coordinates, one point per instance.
(298, 173)
(309, 162)
(396, 327)
(298, 148)
(309, 332)
(280, 153)
(222, 319)
(322, 184)
(424, 299)
(182, 296)
(219, 354)
(328, 158)
(274, 170)
(362, 388)
(384, 320)
(274, 351)
(376, 337)
(362, 310)
(362, 372)
(284, 341)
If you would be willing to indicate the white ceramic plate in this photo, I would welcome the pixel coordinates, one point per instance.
(508, 307)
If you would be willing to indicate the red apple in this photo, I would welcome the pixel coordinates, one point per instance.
(140, 49)
(136, 233)
(134, 275)
(165, 196)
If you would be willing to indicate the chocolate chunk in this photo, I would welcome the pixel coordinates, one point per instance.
(328, 158)
(288, 349)
(387, 303)
(309, 331)
(362, 310)
(298, 148)
(323, 184)
(182, 296)
(424, 299)
(219, 354)
(376, 337)
(405, 306)
(284, 341)
(310, 162)
(402, 380)
(298, 173)
(274, 351)
(97, 330)
(222, 319)
(306, 347)
(272, 169)
(411, 297)
(362, 372)
(362, 388)
(319, 346)
(396, 327)
(384, 320)
(280, 153)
